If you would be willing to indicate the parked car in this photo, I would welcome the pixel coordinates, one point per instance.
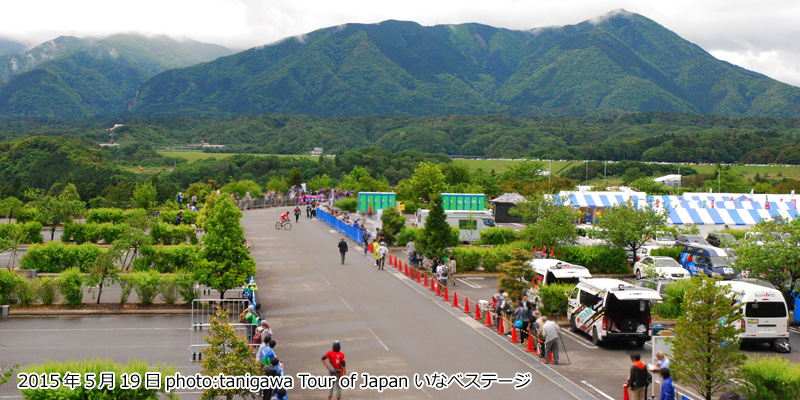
(721, 239)
(643, 252)
(707, 261)
(663, 239)
(685, 239)
(657, 284)
(659, 266)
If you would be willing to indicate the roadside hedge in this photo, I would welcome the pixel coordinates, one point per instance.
(92, 232)
(163, 258)
(769, 378)
(57, 256)
(32, 230)
(347, 204)
(112, 215)
(497, 236)
(489, 258)
(598, 259)
(674, 252)
(169, 216)
(163, 233)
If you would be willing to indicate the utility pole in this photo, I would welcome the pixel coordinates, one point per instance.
(719, 178)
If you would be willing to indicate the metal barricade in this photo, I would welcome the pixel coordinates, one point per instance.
(202, 312)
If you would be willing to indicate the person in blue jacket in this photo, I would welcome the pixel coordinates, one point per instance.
(667, 388)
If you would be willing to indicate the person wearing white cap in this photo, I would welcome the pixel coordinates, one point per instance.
(382, 252)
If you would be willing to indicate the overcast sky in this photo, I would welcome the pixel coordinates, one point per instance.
(763, 36)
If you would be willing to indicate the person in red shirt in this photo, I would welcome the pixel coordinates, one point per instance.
(285, 217)
(336, 368)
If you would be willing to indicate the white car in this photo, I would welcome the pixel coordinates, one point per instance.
(660, 266)
(663, 240)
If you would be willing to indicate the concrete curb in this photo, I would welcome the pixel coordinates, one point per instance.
(61, 313)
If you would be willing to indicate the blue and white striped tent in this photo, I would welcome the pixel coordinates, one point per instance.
(725, 216)
(598, 199)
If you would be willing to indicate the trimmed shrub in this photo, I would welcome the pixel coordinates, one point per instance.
(57, 256)
(497, 236)
(25, 291)
(166, 258)
(163, 233)
(147, 285)
(169, 289)
(769, 378)
(598, 259)
(47, 288)
(186, 287)
(347, 204)
(70, 284)
(92, 232)
(32, 230)
(406, 233)
(28, 215)
(126, 285)
(555, 298)
(672, 306)
(412, 206)
(674, 252)
(495, 256)
(8, 280)
(468, 258)
(170, 216)
(96, 367)
(105, 215)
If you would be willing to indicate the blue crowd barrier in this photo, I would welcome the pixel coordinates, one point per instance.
(353, 234)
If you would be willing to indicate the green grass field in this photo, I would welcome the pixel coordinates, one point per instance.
(191, 155)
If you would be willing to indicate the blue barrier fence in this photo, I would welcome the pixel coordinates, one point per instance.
(353, 234)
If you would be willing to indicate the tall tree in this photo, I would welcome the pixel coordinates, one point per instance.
(516, 276)
(629, 227)
(437, 234)
(705, 348)
(549, 223)
(144, 196)
(427, 180)
(224, 262)
(780, 246)
(55, 210)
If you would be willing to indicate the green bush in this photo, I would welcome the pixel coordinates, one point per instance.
(92, 232)
(25, 291)
(674, 252)
(105, 215)
(347, 204)
(186, 287)
(166, 258)
(170, 216)
(57, 256)
(497, 236)
(96, 366)
(555, 298)
(769, 378)
(8, 281)
(412, 206)
(70, 284)
(393, 221)
(147, 285)
(163, 233)
(495, 256)
(126, 285)
(672, 306)
(28, 215)
(598, 259)
(406, 233)
(468, 258)
(169, 289)
(47, 288)
(32, 230)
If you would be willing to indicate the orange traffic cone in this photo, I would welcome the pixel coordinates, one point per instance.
(625, 395)
(514, 338)
(466, 306)
(544, 250)
(500, 329)
(535, 249)
(433, 283)
(446, 297)
(478, 312)
(530, 348)
(455, 298)
(552, 252)
(390, 258)
(426, 280)
(406, 270)
(488, 316)
(438, 290)
(419, 278)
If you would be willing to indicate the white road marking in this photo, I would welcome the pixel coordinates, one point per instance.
(86, 329)
(334, 231)
(597, 390)
(472, 285)
(345, 303)
(516, 224)
(378, 339)
(326, 281)
(581, 341)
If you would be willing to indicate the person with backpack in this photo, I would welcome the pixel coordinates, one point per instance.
(297, 214)
(251, 319)
(337, 368)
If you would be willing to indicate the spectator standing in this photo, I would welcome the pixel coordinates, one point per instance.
(342, 248)
(179, 198)
(638, 378)
(452, 273)
(525, 315)
(336, 368)
(297, 214)
(194, 200)
(667, 387)
(308, 210)
(507, 312)
(369, 212)
(179, 218)
(663, 362)
(382, 252)
(550, 337)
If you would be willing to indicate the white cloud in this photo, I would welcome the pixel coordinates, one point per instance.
(756, 35)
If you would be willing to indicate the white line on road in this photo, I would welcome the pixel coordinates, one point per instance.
(472, 285)
(345, 303)
(378, 339)
(578, 339)
(597, 390)
(516, 224)
(326, 281)
(86, 329)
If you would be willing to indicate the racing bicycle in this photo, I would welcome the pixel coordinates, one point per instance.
(283, 224)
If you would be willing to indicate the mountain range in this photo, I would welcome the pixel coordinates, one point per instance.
(616, 64)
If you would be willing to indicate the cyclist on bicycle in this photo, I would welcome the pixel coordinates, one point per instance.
(284, 217)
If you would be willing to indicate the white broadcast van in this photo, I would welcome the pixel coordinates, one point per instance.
(469, 223)
(765, 317)
(611, 309)
(551, 270)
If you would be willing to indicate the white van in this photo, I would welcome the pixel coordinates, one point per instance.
(469, 223)
(765, 317)
(550, 270)
(611, 309)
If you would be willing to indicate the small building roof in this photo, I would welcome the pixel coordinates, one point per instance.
(510, 198)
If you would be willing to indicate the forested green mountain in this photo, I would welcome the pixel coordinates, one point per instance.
(78, 78)
(10, 46)
(619, 63)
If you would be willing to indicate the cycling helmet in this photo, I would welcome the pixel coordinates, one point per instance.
(336, 345)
